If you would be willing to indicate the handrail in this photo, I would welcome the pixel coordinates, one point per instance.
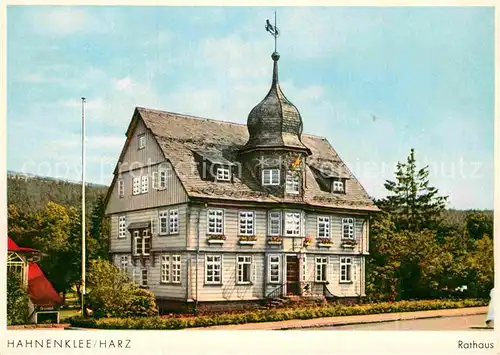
(326, 291)
(277, 292)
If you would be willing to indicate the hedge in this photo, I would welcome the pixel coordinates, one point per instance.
(272, 315)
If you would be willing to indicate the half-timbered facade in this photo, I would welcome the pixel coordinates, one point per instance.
(211, 212)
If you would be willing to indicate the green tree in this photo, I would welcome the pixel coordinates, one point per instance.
(112, 294)
(413, 203)
(99, 231)
(479, 225)
(17, 300)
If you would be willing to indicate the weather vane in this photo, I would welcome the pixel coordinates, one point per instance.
(273, 30)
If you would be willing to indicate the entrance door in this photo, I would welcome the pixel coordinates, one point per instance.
(292, 275)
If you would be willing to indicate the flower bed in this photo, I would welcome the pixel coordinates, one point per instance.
(348, 243)
(324, 242)
(216, 239)
(248, 239)
(272, 315)
(274, 240)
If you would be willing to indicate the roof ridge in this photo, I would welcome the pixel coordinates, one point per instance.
(192, 116)
(213, 119)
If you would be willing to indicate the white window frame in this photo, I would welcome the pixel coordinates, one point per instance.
(274, 216)
(274, 262)
(215, 261)
(321, 269)
(136, 235)
(271, 177)
(348, 228)
(162, 179)
(292, 185)
(173, 221)
(304, 267)
(123, 263)
(246, 223)
(223, 174)
(217, 215)
(136, 185)
(293, 218)
(121, 188)
(146, 238)
(163, 219)
(176, 269)
(142, 141)
(144, 184)
(242, 262)
(165, 269)
(144, 280)
(346, 271)
(122, 226)
(323, 227)
(338, 186)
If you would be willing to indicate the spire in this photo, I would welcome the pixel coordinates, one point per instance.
(276, 57)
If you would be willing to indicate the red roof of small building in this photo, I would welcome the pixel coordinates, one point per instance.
(40, 290)
(12, 246)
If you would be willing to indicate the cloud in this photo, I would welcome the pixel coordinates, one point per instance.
(63, 21)
(124, 84)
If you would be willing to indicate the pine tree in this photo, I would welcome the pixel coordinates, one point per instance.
(412, 202)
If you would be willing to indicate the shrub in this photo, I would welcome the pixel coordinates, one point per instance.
(271, 315)
(17, 300)
(114, 295)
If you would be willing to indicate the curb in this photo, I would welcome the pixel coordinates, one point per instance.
(351, 320)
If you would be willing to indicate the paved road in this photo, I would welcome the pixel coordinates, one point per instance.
(443, 323)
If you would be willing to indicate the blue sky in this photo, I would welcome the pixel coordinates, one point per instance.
(425, 74)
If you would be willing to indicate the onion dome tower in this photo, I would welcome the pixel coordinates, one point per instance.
(274, 152)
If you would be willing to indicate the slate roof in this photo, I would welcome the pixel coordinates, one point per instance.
(180, 136)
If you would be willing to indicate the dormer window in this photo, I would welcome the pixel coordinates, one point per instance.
(270, 177)
(292, 183)
(142, 141)
(338, 186)
(223, 174)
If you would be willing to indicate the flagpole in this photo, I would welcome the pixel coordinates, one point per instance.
(83, 209)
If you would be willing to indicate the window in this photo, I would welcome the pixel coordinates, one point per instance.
(122, 226)
(163, 216)
(244, 267)
(246, 223)
(144, 278)
(137, 243)
(274, 269)
(292, 183)
(142, 141)
(162, 183)
(121, 188)
(173, 221)
(347, 228)
(144, 183)
(213, 269)
(292, 223)
(146, 242)
(275, 223)
(123, 263)
(304, 267)
(136, 186)
(323, 227)
(176, 269)
(321, 268)
(215, 222)
(270, 177)
(165, 269)
(338, 186)
(142, 244)
(223, 174)
(345, 269)
(171, 269)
